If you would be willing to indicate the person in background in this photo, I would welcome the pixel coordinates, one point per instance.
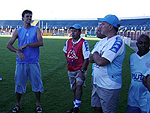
(100, 36)
(107, 59)
(138, 93)
(27, 64)
(77, 54)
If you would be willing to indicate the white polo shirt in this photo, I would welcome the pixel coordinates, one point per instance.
(109, 76)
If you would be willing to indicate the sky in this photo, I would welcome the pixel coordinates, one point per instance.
(74, 9)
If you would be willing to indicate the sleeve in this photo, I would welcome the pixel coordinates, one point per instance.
(65, 47)
(85, 49)
(95, 47)
(114, 50)
(131, 61)
(147, 73)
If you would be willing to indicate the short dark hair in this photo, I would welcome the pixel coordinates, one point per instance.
(79, 30)
(144, 35)
(25, 12)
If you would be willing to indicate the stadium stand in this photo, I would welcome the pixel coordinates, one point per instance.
(129, 27)
(59, 24)
(34, 23)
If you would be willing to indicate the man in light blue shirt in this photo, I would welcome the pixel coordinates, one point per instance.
(139, 64)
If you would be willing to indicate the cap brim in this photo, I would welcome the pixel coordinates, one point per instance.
(74, 28)
(101, 19)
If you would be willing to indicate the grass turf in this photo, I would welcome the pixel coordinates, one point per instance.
(57, 96)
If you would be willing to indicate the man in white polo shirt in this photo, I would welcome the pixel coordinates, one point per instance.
(107, 59)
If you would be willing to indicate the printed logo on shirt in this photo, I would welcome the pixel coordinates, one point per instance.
(27, 34)
(72, 54)
(86, 46)
(137, 76)
(116, 46)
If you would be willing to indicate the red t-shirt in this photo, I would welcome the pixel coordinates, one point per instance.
(75, 57)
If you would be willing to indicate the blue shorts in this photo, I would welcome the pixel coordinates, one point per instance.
(131, 109)
(25, 71)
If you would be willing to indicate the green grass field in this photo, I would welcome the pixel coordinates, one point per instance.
(57, 96)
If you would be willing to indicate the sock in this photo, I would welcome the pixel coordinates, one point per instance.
(77, 103)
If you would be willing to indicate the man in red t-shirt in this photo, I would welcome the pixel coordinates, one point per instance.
(77, 54)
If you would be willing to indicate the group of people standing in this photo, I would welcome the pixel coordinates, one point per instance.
(107, 58)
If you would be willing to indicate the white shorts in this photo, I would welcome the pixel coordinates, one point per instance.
(73, 78)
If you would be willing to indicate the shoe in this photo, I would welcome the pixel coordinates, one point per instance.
(16, 109)
(76, 110)
(0, 78)
(70, 111)
(39, 109)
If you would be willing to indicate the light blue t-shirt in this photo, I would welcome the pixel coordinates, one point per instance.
(138, 93)
(25, 36)
(148, 96)
(148, 103)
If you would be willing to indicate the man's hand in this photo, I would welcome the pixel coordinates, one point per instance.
(23, 47)
(81, 75)
(99, 60)
(91, 58)
(21, 55)
(146, 81)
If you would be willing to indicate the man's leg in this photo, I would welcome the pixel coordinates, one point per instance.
(78, 92)
(18, 97)
(38, 97)
(37, 85)
(95, 100)
(72, 81)
(20, 84)
(18, 106)
(77, 97)
(38, 103)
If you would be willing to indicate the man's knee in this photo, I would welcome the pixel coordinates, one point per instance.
(79, 84)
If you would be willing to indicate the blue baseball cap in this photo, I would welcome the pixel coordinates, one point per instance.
(76, 26)
(111, 19)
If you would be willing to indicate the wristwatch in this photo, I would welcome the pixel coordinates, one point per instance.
(82, 70)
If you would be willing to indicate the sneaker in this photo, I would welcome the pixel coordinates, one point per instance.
(70, 111)
(0, 78)
(76, 110)
(39, 109)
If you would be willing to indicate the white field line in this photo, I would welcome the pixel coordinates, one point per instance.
(57, 37)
